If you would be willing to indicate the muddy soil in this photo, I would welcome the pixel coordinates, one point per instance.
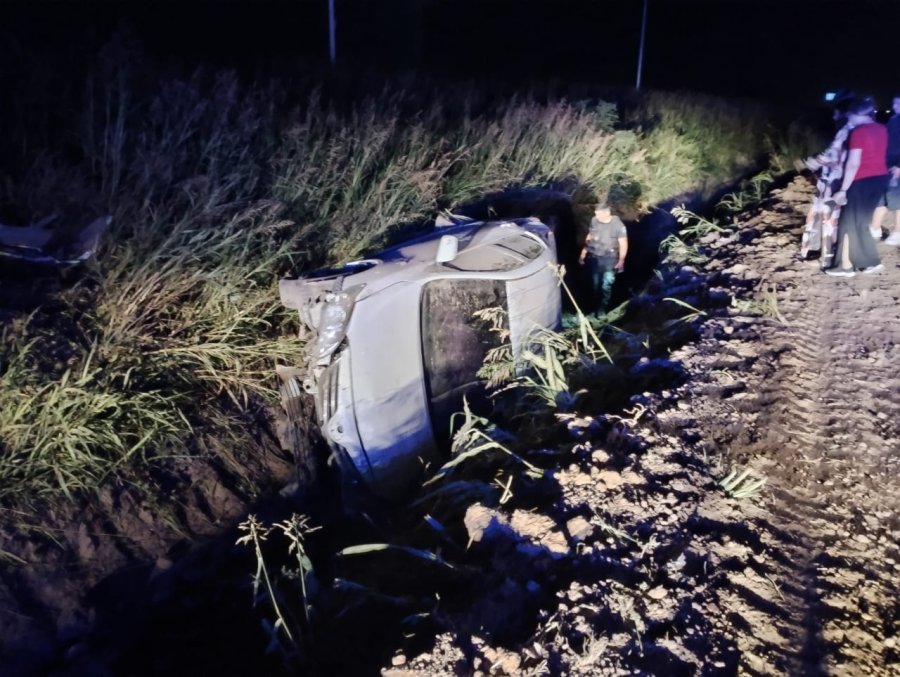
(628, 558)
(797, 381)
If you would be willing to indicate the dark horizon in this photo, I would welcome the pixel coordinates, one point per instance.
(778, 50)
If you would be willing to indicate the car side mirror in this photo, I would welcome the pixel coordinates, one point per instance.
(447, 249)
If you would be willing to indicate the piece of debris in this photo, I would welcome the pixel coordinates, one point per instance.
(61, 246)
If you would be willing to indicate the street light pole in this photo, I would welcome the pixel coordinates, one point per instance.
(332, 25)
(640, 67)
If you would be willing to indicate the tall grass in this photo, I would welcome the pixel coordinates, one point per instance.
(67, 434)
(217, 188)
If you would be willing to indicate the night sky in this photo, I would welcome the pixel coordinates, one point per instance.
(786, 50)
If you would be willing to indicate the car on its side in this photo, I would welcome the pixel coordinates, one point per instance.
(395, 343)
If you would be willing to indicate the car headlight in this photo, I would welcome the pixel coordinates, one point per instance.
(334, 319)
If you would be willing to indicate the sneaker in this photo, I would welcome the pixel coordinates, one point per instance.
(840, 272)
(873, 269)
(894, 239)
(876, 233)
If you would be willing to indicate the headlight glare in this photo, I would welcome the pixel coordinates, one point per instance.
(334, 319)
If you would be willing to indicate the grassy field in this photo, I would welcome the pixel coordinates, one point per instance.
(217, 187)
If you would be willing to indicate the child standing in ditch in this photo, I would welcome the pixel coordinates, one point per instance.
(604, 252)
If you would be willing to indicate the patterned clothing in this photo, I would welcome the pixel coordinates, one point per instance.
(820, 231)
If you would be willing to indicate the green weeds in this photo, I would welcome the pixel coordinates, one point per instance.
(743, 484)
(692, 312)
(70, 433)
(750, 194)
(764, 303)
(693, 225)
(472, 439)
(683, 247)
(289, 633)
(541, 369)
(678, 251)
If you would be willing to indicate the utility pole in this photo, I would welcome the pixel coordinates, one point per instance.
(332, 25)
(640, 67)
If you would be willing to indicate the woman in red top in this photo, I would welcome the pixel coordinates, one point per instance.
(862, 189)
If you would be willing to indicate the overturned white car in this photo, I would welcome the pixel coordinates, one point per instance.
(396, 344)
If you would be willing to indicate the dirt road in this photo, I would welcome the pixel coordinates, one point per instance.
(795, 380)
(821, 420)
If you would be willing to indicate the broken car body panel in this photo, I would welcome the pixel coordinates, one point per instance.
(40, 244)
(394, 345)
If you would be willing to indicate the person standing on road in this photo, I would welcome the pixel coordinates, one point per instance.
(820, 230)
(892, 194)
(862, 190)
(604, 252)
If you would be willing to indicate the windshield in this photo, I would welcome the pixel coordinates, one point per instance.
(454, 345)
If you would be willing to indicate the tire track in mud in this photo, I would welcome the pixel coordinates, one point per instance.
(827, 440)
(842, 392)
